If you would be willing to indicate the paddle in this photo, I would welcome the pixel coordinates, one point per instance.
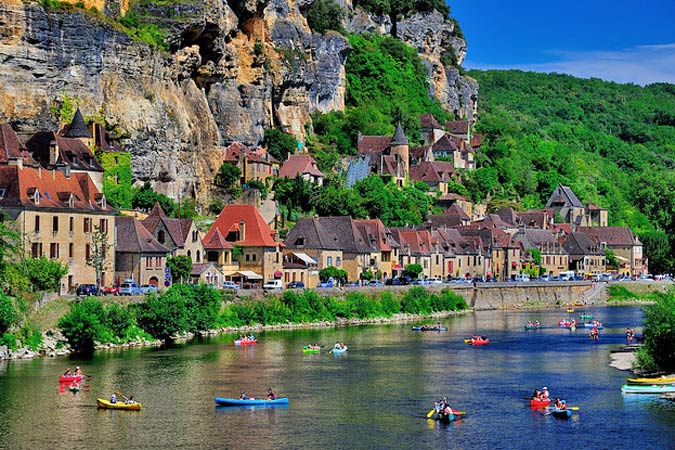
(119, 394)
(431, 413)
(455, 412)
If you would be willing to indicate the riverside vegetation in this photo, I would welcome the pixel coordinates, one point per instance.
(185, 309)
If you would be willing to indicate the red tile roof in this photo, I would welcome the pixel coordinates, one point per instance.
(457, 126)
(299, 165)
(11, 147)
(71, 151)
(216, 242)
(373, 145)
(429, 121)
(256, 231)
(54, 188)
(434, 171)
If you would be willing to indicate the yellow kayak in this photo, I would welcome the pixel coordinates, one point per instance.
(105, 404)
(656, 380)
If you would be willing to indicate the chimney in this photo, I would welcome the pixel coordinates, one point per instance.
(18, 162)
(242, 230)
(65, 169)
(53, 153)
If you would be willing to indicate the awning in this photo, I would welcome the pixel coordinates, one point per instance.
(398, 267)
(305, 257)
(249, 274)
(621, 258)
(278, 274)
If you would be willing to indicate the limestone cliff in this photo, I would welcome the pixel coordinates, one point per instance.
(231, 69)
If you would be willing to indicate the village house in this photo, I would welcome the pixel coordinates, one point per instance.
(419, 247)
(502, 254)
(260, 256)
(624, 243)
(303, 166)
(219, 252)
(554, 257)
(565, 203)
(585, 257)
(138, 255)
(386, 155)
(180, 236)
(254, 164)
(436, 175)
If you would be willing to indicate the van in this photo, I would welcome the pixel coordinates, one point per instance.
(522, 277)
(567, 275)
(273, 285)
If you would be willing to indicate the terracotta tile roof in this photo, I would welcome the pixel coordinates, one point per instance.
(457, 126)
(11, 147)
(178, 229)
(429, 121)
(233, 152)
(594, 207)
(308, 232)
(477, 140)
(418, 153)
(443, 221)
(536, 218)
(497, 221)
(456, 210)
(389, 165)
(71, 151)
(133, 237)
(373, 145)
(256, 233)
(453, 196)
(200, 268)
(418, 242)
(299, 165)
(374, 234)
(21, 185)
(433, 171)
(216, 241)
(613, 236)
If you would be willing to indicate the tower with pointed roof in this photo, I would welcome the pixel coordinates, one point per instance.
(400, 150)
(78, 129)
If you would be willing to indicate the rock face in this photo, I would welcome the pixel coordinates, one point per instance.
(232, 69)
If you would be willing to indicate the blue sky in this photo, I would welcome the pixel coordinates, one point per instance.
(617, 40)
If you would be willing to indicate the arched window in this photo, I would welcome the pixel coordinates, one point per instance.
(199, 256)
(189, 254)
(161, 236)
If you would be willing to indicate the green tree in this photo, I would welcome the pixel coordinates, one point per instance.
(83, 324)
(181, 267)
(45, 274)
(145, 198)
(279, 144)
(324, 15)
(7, 313)
(99, 253)
(228, 177)
(164, 315)
(334, 273)
(610, 257)
(412, 270)
(659, 333)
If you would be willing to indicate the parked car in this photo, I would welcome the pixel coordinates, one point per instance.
(111, 290)
(329, 283)
(130, 288)
(295, 285)
(230, 285)
(434, 281)
(148, 288)
(86, 289)
(353, 284)
(273, 285)
(375, 283)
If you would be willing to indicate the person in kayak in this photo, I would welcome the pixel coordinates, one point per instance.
(130, 400)
(243, 396)
(544, 393)
(78, 371)
(536, 395)
(67, 373)
(271, 395)
(113, 398)
(559, 404)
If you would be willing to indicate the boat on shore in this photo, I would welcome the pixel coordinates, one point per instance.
(652, 380)
(644, 389)
(106, 404)
(226, 401)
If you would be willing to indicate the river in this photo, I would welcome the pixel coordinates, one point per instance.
(374, 396)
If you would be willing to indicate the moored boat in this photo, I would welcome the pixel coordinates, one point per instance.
(653, 380)
(561, 413)
(106, 404)
(534, 403)
(225, 401)
(644, 389)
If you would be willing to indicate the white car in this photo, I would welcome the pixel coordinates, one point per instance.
(148, 288)
(434, 281)
(273, 285)
(230, 285)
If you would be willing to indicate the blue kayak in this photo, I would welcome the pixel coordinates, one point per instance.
(561, 413)
(337, 351)
(224, 401)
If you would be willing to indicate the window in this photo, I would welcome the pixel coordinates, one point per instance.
(54, 250)
(161, 236)
(55, 224)
(158, 261)
(36, 249)
(195, 236)
(87, 251)
(37, 224)
(189, 254)
(148, 263)
(329, 261)
(71, 250)
(338, 261)
(254, 257)
(438, 261)
(299, 242)
(199, 256)
(87, 225)
(103, 225)
(248, 257)
(71, 224)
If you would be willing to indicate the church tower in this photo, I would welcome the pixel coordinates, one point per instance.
(399, 148)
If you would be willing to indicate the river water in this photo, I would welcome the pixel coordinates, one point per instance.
(374, 396)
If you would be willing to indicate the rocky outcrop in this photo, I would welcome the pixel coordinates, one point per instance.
(232, 69)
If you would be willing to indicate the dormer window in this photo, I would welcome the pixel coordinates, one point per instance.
(299, 242)
(34, 195)
(2, 192)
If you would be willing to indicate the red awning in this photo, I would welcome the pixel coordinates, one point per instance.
(278, 274)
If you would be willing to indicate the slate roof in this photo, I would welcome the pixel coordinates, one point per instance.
(133, 237)
(432, 171)
(509, 216)
(299, 165)
(312, 234)
(373, 145)
(445, 144)
(257, 233)
(578, 244)
(613, 236)
(399, 136)
(72, 151)
(78, 128)
(178, 229)
(349, 240)
(53, 187)
(457, 126)
(563, 194)
(11, 147)
(536, 218)
(428, 121)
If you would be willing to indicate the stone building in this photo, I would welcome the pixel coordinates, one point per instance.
(138, 255)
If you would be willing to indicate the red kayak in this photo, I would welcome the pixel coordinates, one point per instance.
(480, 341)
(69, 378)
(539, 403)
(245, 342)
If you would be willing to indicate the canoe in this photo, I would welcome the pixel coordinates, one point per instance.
(105, 404)
(561, 413)
(650, 381)
(420, 328)
(539, 403)
(69, 378)
(224, 401)
(643, 389)
(570, 310)
(585, 316)
(532, 327)
(306, 349)
(338, 351)
(480, 341)
(446, 418)
(245, 342)
(591, 325)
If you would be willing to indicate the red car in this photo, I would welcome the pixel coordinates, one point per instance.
(111, 290)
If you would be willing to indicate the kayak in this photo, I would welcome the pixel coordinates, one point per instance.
(656, 380)
(539, 403)
(224, 401)
(585, 316)
(306, 349)
(480, 341)
(561, 413)
(570, 310)
(338, 351)
(245, 341)
(531, 327)
(69, 378)
(591, 325)
(446, 418)
(105, 404)
(422, 328)
(643, 389)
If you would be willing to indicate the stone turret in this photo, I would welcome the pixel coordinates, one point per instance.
(400, 149)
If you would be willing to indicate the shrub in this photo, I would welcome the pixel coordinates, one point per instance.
(7, 313)
(83, 325)
(390, 304)
(324, 15)
(163, 315)
(659, 332)
(9, 340)
(416, 301)
(118, 319)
